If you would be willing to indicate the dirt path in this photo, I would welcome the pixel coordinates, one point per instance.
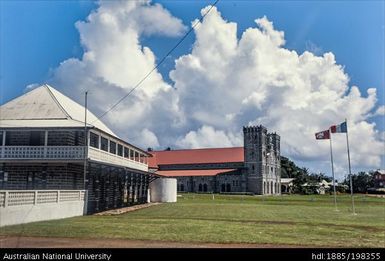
(52, 242)
(119, 211)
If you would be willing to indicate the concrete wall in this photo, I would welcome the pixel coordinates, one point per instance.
(24, 214)
(163, 190)
(19, 207)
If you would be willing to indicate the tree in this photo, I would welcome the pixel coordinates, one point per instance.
(288, 168)
(361, 181)
(301, 176)
(318, 177)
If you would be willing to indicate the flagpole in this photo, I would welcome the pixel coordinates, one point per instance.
(334, 180)
(350, 170)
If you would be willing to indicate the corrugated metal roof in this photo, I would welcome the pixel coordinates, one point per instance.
(196, 156)
(46, 107)
(34, 105)
(198, 172)
(59, 123)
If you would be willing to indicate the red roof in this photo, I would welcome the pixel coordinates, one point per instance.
(196, 156)
(196, 172)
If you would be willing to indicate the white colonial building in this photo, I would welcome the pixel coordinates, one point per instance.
(47, 164)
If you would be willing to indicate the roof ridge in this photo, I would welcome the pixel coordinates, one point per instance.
(238, 147)
(56, 101)
(88, 124)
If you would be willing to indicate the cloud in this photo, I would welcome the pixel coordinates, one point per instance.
(149, 139)
(313, 48)
(380, 111)
(207, 136)
(222, 84)
(226, 82)
(114, 61)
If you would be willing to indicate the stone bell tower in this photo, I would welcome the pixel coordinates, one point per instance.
(262, 160)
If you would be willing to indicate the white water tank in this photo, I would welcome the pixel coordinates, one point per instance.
(163, 190)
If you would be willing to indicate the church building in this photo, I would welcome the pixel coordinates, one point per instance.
(254, 168)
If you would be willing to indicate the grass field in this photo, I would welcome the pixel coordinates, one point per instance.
(282, 220)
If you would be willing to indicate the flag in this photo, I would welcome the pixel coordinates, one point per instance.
(340, 128)
(322, 135)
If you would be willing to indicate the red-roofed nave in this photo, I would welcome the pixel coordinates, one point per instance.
(196, 156)
(194, 172)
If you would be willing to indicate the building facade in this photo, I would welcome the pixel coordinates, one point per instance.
(45, 146)
(254, 168)
(379, 179)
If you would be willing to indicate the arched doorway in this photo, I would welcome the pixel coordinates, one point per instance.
(205, 187)
(264, 188)
(200, 187)
(228, 187)
(272, 187)
(223, 188)
(181, 187)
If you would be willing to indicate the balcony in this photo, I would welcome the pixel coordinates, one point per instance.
(103, 156)
(42, 152)
(67, 153)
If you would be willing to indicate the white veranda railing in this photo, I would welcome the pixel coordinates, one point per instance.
(42, 152)
(67, 153)
(34, 197)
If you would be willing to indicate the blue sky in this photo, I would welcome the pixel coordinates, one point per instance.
(36, 36)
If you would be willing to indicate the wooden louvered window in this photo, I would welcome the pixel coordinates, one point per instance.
(104, 144)
(94, 140)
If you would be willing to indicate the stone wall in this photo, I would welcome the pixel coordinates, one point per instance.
(232, 182)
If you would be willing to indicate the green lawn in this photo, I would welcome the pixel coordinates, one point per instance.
(283, 220)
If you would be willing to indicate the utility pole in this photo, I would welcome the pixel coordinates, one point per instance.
(85, 140)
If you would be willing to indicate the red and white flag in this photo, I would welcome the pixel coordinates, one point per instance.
(322, 135)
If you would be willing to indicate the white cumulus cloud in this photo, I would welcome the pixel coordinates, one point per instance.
(149, 140)
(256, 80)
(223, 83)
(114, 61)
(206, 137)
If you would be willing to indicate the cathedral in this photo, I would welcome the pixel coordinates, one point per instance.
(251, 169)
